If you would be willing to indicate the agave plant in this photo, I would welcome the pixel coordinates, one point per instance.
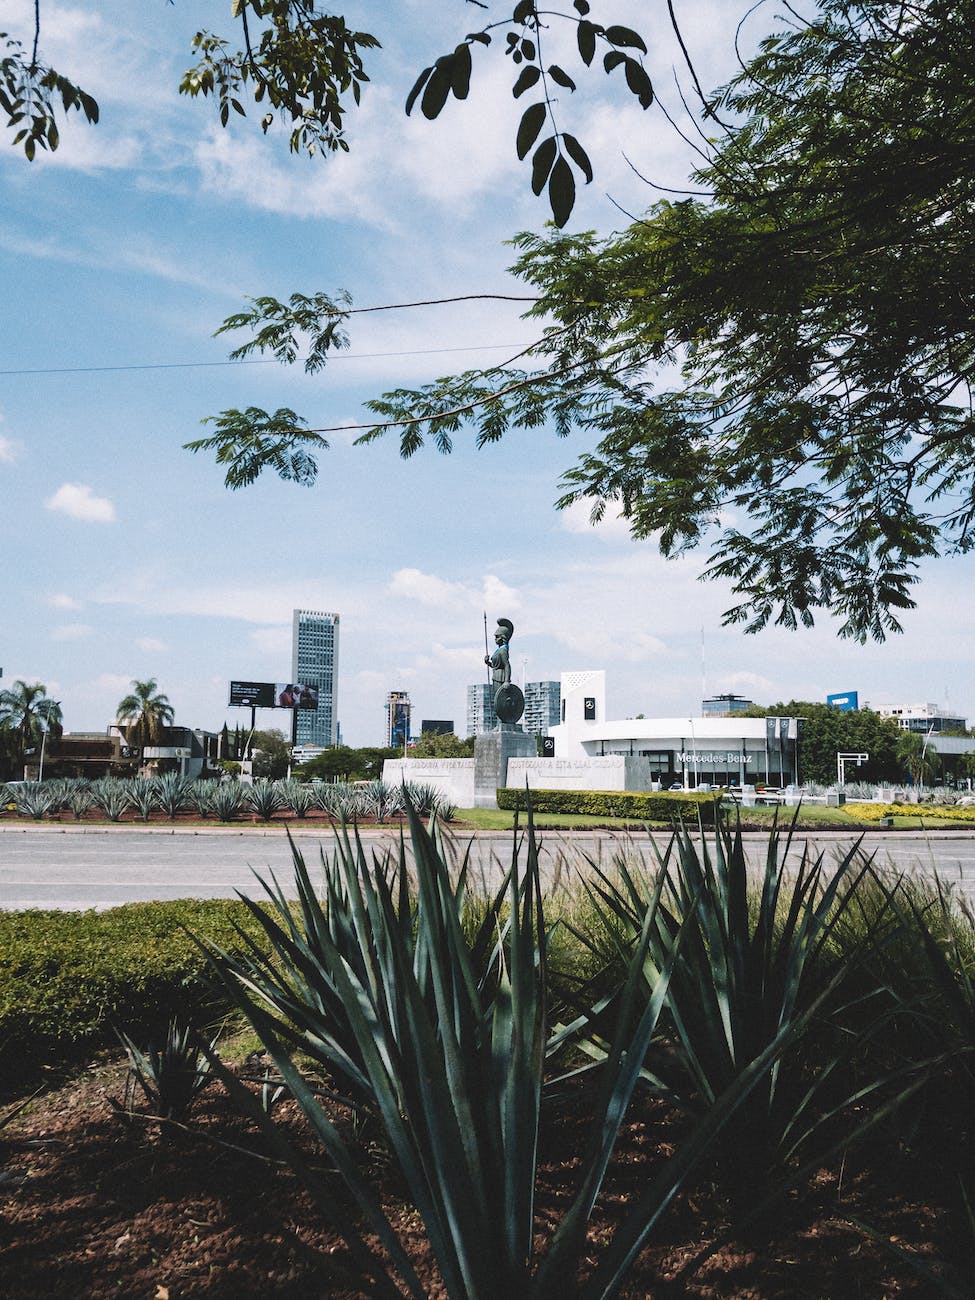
(265, 798)
(171, 792)
(298, 797)
(423, 797)
(380, 800)
(171, 1077)
(337, 799)
(34, 798)
(81, 799)
(384, 990)
(143, 794)
(111, 796)
(62, 788)
(228, 800)
(199, 795)
(748, 971)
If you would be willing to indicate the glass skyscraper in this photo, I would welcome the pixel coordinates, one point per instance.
(315, 662)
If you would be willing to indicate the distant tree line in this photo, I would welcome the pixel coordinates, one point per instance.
(895, 755)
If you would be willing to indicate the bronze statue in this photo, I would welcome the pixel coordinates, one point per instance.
(509, 703)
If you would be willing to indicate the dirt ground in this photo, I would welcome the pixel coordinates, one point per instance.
(94, 1203)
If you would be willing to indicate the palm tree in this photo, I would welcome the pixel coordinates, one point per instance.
(918, 756)
(27, 713)
(144, 714)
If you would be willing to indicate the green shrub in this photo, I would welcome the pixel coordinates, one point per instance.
(68, 980)
(636, 805)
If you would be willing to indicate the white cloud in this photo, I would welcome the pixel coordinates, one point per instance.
(60, 600)
(71, 632)
(413, 584)
(152, 645)
(576, 519)
(273, 642)
(78, 501)
(9, 449)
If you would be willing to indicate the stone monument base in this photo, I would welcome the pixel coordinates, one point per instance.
(492, 749)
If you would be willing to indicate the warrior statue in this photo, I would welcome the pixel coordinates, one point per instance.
(509, 703)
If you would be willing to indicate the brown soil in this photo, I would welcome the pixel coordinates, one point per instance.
(94, 1204)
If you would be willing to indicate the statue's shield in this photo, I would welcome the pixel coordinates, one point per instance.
(509, 703)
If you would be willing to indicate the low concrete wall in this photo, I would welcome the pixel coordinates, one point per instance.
(453, 777)
(612, 772)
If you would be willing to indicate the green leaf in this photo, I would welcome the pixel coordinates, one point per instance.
(526, 79)
(561, 192)
(523, 11)
(437, 88)
(418, 85)
(545, 156)
(613, 60)
(639, 82)
(561, 78)
(586, 40)
(625, 36)
(532, 121)
(460, 72)
(578, 155)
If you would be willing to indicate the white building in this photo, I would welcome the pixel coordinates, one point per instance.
(690, 751)
(481, 716)
(921, 717)
(542, 707)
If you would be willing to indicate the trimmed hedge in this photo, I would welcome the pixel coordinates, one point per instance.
(67, 979)
(636, 805)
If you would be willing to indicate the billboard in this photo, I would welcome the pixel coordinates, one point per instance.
(295, 695)
(273, 695)
(252, 695)
(399, 722)
(846, 702)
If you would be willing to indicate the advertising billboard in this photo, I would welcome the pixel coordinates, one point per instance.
(846, 702)
(295, 695)
(273, 695)
(252, 695)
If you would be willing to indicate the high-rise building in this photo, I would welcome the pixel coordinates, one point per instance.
(725, 706)
(542, 700)
(315, 662)
(397, 719)
(480, 709)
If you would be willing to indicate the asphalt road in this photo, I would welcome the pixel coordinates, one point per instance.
(83, 867)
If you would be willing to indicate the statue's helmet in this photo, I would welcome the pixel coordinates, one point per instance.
(506, 625)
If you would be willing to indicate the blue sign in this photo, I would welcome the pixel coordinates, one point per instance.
(845, 703)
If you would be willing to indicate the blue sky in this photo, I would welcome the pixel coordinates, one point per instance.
(125, 557)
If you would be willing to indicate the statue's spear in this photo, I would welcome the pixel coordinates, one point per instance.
(487, 653)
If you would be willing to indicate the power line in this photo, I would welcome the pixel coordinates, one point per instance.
(263, 361)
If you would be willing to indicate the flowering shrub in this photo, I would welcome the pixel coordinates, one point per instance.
(872, 812)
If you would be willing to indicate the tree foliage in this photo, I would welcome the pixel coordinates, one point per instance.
(811, 301)
(435, 744)
(272, 754)
(342, 763)
(305, 68)
(825, 731)
(144, 713)
(26, 713)
(917, 756)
